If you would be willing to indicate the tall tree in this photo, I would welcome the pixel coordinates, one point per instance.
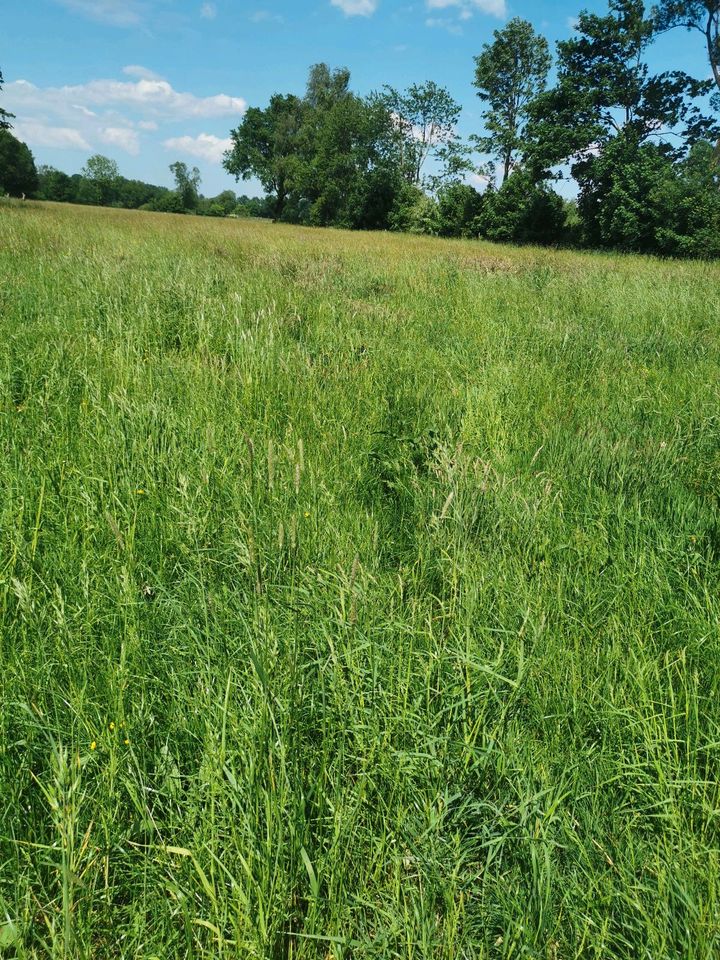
(700, 15)
(5, 117)
(325, 86)
(426, 118)
(605, 89)
(101, 175)
(618, 125)
(266, 146)
(509, 74)
(18, 175)
(187, 184)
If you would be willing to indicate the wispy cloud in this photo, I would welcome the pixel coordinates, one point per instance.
(121, 114)
(444, 23)
(208, 11)
(466, 8)
(356, 8)
(156, 98)
(39, 134)
(123, 137)
(142, 73)
(206, 146)
(117, 13)
(266, 16)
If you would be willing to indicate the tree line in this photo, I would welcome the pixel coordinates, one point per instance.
(642, 147)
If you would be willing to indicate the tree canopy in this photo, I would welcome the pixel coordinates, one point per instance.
(509, 74)
(5, 117)
(18, 175)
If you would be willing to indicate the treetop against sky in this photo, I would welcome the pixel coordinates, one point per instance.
(149, 81)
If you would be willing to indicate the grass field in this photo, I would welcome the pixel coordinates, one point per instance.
(359, 595)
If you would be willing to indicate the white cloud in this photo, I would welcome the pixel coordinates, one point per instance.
(496, 8)
(206, 146)
(37, 134)
(157, 97)
(154, 98)
(444, 23)
(118, 13)
(265, 16)
(208, 11)
(142, 73)
(356, 8)
(480, 181)
(120, 115)
(123, 137)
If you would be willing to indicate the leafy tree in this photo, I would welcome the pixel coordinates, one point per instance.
(522, 211)
(414, 211)
(266, 145)
(700, 15)
(615, 195)
(18, 175)
(220, 206)
(509, 74)
(426, 118)
(101, 175)
(5, 117)
(687, 201)
(605, 89)
(326, 87)
(617, 123)
(54, 185)
(187, 184)
(348, 175)
(459, 206)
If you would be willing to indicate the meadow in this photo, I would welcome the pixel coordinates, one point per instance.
(359, 595)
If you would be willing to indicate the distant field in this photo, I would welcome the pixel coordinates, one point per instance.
(359, 595)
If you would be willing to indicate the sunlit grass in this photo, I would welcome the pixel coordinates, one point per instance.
(359, 595)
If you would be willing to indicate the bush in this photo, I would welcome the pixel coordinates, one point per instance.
(459, 206)
(523, 211)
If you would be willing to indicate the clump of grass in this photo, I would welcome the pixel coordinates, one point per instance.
(358, 595)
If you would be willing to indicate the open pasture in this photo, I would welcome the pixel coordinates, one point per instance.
(359, 595)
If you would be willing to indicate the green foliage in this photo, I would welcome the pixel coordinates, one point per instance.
(522, 211)
(616, 195)
(702, 16)
(605, 89)
(187, 184)
(509, 74)
(100, 175)
(383, 574)
(688, 207)
(266, 146)
(425, 119)
(5, 117)
(414, 211)
(459, 206)
(18, 175)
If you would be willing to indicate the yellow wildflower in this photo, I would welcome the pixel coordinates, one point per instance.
(93, 745)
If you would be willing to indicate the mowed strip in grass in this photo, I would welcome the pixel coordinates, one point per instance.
(358, 595)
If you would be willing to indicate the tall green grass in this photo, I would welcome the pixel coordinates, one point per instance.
(359, 595)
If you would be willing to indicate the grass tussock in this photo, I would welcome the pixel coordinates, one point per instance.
(359, 595)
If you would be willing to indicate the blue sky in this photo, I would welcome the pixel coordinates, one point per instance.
(148, 82)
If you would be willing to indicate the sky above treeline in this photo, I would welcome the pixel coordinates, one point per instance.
(147, 82)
